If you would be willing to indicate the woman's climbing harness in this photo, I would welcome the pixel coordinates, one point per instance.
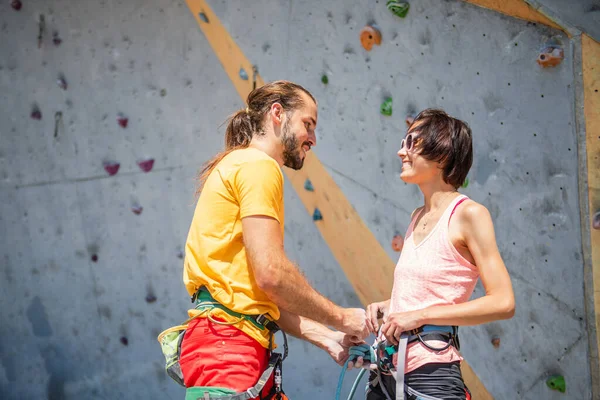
(381, 354)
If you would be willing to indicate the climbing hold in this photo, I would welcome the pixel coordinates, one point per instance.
(369, 36)
(62, 83)
(122, 120)
(56, 39)
(16, 4)
(551, 56)
(94, 257)
(465, 183)
(308, 185)
(399, 8)
(203, 17)
(111, 168)
(41, 30)
(146, 165)
(243, 74)
(386, 107)
(124, 340)
(137, 209)
(317, 216)
(325, 79)
(596, 220)
(397, 242)
(409, 120)
(496, 341)
(180, 254)
(36, 113)
(150, 298)
(163, 92)
(556, 382)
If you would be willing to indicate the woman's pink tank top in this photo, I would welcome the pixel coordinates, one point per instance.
(431, 273)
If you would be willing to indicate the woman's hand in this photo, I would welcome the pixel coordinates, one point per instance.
(396, 323)
(376, 311)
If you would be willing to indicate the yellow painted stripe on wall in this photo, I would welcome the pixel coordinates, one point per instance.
(518, 9)
(590, 50)
(366, 264)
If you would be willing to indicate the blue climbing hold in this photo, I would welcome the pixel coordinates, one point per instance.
(203, 17)
(243, 74)
(308, 185)
(317, 216)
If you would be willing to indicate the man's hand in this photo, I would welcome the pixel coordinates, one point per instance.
(396, 323)
(337, 345)
(354, 323)
(376, 311)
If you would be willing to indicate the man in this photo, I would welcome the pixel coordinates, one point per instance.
(235, 261)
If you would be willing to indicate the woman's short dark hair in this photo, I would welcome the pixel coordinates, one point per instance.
(446, 140)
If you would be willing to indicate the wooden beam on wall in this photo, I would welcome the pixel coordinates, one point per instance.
(349, 239)
(518, 9)
(590, 52)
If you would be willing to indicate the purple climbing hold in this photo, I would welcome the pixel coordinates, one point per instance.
(111, 168)
(62, 83)
(137, 210)
(36, 113)
(94, 257)
(150, 298)
(56, 39)
(146, 165)
(596, 221)
(16, 4)
(124, 341)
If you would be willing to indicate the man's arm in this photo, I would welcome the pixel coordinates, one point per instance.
(281, 280)
(333, 342)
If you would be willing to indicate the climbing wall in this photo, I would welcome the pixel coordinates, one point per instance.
(107, 110)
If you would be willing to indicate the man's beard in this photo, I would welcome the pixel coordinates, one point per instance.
(291, 151)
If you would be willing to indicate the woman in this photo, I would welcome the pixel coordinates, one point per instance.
(449, 244)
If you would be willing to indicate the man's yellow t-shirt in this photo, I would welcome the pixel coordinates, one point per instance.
(245, 182)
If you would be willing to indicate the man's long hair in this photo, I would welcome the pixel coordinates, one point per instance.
(245, 123)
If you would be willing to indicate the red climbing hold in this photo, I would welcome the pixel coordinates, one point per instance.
(551, 57)
(596, 221)
(94, 257)
(16, 4)
(111, 168)
(137, 210)
(122, 120)
(397, 242)
(146, 165)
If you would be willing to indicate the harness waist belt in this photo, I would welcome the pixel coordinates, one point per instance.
(203, 298)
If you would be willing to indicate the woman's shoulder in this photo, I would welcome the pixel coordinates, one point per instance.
(471, 211)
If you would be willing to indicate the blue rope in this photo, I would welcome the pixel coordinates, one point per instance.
(368, 354)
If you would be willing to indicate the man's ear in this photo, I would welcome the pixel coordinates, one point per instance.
(277, 113)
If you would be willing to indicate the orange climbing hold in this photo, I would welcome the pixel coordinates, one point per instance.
(496, 341)
(551, 57)
(397, 242)
(369, 36)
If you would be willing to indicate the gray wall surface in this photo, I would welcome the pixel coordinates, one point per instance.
(63, 315)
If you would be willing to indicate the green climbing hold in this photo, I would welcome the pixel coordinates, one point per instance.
(557, 382)
(325, 79)
(308, 185)
(317, 216)
(465, 183)
(386, 107)
(399, 8)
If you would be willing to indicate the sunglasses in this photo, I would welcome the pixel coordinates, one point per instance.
(409, 141)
